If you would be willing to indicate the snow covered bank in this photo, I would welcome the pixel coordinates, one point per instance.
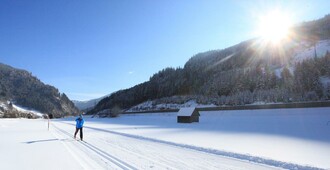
(9, 109)
(151, 106)
(27, 110)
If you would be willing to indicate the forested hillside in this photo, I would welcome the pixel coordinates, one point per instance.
(20, 87)
(252, 71)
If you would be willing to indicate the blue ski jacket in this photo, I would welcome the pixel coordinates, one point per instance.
(79, 122)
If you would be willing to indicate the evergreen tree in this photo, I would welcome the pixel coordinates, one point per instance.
(287, 79)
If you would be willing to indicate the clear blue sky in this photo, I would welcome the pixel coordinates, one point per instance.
(88, 49)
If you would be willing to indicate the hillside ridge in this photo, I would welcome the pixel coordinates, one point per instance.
(20, 87)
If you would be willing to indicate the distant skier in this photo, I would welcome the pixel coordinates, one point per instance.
(79, 126)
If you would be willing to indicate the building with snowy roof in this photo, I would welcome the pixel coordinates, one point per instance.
(188, 115)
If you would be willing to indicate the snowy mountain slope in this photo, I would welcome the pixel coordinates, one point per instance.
(24, 89)
(304, 51)
(27, 110)
(307, 50)
(8, 109)
(82, 105)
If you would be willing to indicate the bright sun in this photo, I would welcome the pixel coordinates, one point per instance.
(274, 27)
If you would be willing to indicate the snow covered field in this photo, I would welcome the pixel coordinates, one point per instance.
(250, 139)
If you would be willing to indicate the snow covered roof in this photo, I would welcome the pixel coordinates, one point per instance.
(186, 111)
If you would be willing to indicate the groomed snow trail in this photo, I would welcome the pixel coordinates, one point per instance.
(115, 151)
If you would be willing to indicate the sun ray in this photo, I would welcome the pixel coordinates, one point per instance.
(274, 27)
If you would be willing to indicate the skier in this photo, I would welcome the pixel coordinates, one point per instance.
(79, 126)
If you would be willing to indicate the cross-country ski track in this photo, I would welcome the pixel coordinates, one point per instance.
(248, 139)
(106, 150)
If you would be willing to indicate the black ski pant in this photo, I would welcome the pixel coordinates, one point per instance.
(81, 133)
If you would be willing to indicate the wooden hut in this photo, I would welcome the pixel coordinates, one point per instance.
(188, 115)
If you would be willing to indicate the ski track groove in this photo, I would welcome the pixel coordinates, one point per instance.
(71, 152)
(112, 159)
(141, 156)
(166, 166)
(238, 156)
